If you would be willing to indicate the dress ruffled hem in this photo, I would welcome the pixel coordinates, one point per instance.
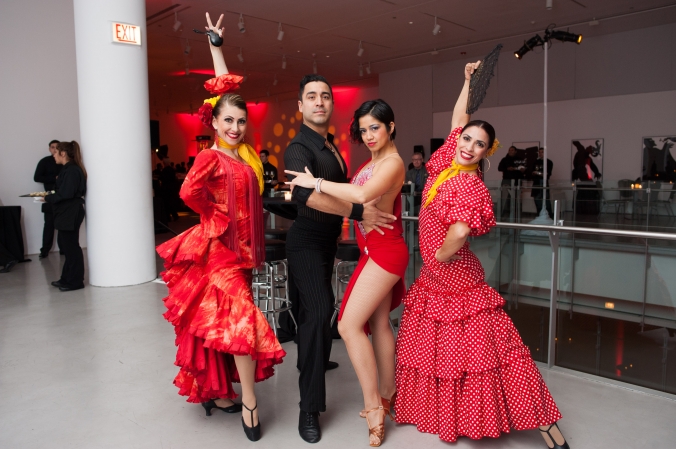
(477, 405)
(223, 84)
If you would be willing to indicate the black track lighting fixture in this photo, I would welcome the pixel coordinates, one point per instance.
(538, 41)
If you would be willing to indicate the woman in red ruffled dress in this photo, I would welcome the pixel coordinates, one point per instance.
(222, 337)
(462, 369)
(377, 284)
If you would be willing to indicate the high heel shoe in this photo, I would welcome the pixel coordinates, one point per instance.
(252, 433)
(556, 446)
(388, 405)
(211, 404)
(377, 431)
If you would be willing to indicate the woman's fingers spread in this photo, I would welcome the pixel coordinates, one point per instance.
(209, 21)
(220, 19)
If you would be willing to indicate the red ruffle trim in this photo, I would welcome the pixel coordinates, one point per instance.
(206, 114)
(449, 207)
(223, 84)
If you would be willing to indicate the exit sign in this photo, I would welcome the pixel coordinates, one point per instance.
(125, 33)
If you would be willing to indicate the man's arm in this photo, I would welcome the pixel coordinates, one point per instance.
(41, 174)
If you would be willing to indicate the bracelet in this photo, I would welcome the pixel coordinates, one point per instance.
(318, 184)
(357, 212)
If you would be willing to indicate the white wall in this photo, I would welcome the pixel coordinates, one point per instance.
(39, 103)
(631, 74)
(621, 120)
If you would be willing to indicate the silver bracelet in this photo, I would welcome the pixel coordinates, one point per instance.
(318, 184)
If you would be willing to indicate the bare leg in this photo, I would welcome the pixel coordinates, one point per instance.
(383, 346)
(370, 289)
(246, 367)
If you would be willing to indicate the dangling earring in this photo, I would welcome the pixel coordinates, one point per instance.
(489, 164)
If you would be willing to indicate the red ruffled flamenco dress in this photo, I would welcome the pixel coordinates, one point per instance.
(208, 272)
(388, 251)
(462, 368)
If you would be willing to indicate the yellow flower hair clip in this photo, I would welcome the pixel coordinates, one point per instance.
(212, 101)
(491, 151)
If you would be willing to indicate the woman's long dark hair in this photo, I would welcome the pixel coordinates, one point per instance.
(377, 109)
(72, 150)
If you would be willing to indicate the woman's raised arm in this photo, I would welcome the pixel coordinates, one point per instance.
(460, 115)
(216, 54)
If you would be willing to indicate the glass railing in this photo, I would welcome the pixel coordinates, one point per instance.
(587, 298)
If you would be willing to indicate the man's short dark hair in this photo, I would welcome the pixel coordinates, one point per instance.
(53, 141)
(309, 79)
(267, 153)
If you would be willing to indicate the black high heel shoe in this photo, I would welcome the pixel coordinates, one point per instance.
(252, 433)
(234, 408)
(556, 446)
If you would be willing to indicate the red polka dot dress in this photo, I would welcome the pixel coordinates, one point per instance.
(462, 368)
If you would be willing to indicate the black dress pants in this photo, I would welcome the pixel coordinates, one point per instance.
(48, 233)
(311, 250)
(72, 274)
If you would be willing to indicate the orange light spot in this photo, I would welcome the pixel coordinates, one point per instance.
(278, 129)
(343, 137)
(278, 148)
(292, 133)
(269, 145)
(273, 160)
(283, 116)
(292, 120)
(298, 115)
(332, 129)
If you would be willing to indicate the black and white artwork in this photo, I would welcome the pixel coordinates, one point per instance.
(659, 158)
(586, 157)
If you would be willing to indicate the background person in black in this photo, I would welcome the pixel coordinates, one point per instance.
(512, 168)
(169, 190)
(270, 172)
(417, 175)
(68, 202)
(311, 245)
(46, 173)
(536, 172)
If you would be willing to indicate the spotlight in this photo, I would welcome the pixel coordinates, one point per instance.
(284, 62)
(274, 82)
(528, 46)
(240, 56)
(565, 36)
(549, 4)
(177, 23)
(240, 24)
(314, 67)
(360, 52)
(361, 70)
(280, 32)
(368, 69)
(437, 28)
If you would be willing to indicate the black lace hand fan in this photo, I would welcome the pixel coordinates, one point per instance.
(481, 79)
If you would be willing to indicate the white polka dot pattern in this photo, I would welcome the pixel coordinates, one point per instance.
(462, 368)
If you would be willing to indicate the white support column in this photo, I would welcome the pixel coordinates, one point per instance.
(112, 81)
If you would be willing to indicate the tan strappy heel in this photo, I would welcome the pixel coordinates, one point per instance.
(377, 431)
(388, 406)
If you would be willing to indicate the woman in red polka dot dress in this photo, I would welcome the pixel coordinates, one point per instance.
(462, 368)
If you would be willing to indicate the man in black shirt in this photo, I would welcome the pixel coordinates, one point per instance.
(270, 173)
(311, 245)
(512, 168)
(537, 173)
(46, 173)
(169, 189)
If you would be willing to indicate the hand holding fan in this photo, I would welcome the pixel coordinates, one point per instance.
(481, 79)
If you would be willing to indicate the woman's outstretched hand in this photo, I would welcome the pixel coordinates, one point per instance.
(469, 67)
(301, 179)
(216, 29)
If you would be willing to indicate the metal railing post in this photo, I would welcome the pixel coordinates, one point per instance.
(554, 287)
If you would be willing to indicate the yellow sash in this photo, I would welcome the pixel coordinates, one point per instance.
(445, 175)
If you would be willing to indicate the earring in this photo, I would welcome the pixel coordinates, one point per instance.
(489, 164)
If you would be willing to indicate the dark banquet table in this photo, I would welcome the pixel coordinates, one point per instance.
(11, 237)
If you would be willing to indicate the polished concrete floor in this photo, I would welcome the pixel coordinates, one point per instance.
(93, 369)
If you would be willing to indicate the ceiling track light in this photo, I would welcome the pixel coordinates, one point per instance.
(368, 69)
(274, 81)
(537, 41)
(360, 52)
(240, 24)
(437, 28)
(361, 70)
(314, 66)
(240, 56)
(283, 62)
(177, 23)
(549, 4)
(280, 32)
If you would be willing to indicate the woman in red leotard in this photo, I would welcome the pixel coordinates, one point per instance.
(377, 285)
(462, 369)
(222, 337)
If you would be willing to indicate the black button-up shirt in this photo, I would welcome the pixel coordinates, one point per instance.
(308, 149)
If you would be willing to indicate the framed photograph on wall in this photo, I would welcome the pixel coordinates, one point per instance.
(527, 151)
(659, 158)
(586, 156)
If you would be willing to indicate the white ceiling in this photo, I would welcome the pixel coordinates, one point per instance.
(395, 34)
